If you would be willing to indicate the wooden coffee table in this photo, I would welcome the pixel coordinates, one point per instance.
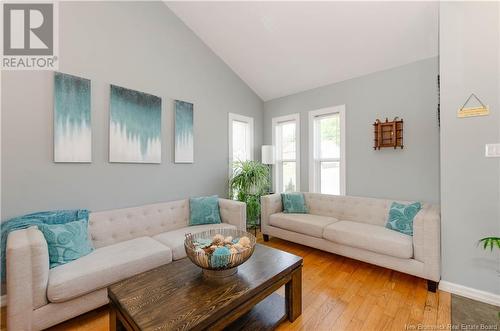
(176, 296)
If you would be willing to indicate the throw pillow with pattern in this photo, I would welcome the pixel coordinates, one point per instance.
(204, 210)
(294, 203)
(66, 242)
(401, 217)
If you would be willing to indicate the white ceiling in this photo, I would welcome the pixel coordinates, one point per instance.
(281, 48)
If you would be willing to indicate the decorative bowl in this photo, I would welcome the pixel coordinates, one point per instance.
(219, 252)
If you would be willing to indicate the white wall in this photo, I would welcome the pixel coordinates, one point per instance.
(138, 45)
(470, 183)
(409, 92)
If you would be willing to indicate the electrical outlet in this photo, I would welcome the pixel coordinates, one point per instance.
(492, 150)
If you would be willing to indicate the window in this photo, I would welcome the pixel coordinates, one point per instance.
(327, 150)
(240, 138)
(286, 138)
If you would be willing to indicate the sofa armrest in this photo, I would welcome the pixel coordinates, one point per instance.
(27, 266)
(233, 212)
(270, 204)
(427, 240)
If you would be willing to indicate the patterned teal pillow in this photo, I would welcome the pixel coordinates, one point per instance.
(294, 203)
(66, 242)
(204, 210)
(401, 217)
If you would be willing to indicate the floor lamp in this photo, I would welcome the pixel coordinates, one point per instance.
(269, 159)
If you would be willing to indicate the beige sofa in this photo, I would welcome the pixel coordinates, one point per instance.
(126, 241)
(355, 227)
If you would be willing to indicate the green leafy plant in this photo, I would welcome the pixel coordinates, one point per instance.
(490, 242)
(249, 181)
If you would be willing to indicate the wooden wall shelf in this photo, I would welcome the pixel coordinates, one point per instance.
(388, 134)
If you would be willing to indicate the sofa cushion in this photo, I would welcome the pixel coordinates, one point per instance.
(113, 226)
(175, 239)
(105, 266)
(308, 224)
(371, 237)
(349, 208)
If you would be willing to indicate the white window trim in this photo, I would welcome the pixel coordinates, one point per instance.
(246, 119)
(275, 122)
(313, 173)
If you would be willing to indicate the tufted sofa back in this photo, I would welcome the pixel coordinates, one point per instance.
(113, 226)
(349, 208)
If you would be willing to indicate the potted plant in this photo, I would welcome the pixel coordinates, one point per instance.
(249, 181)
(490, 242)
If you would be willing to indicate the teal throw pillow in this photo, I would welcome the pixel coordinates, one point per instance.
(204, 210)
(401, 217)
(294, 203)
(66, 242)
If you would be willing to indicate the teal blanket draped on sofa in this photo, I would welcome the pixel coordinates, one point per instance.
(45, 217)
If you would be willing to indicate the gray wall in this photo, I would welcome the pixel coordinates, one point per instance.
(409, 92)
(469, 62)
(142, 46)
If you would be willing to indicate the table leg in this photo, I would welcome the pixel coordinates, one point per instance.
(293, 295)
(112, 318)
(114, 322)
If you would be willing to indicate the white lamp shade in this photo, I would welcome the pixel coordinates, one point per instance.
(268, 154)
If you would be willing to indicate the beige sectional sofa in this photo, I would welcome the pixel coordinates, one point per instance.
(126, 241)
(355, 227)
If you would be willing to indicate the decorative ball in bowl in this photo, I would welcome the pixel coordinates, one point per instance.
(219, 252)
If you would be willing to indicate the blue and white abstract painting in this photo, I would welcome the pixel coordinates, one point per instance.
(184, 148)
(72, 127)
(134, 126)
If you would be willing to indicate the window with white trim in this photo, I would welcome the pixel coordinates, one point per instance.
(327, 150)
(286, 139)
(240, 138)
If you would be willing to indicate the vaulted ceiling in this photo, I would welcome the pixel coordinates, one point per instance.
(281, 48)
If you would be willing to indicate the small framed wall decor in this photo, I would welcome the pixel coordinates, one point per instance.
(184, 134)
(388, 134)
(480, 110)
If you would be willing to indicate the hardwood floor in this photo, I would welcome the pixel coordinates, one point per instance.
(340, 294)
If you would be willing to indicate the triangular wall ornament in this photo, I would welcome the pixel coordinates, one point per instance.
(481, 110)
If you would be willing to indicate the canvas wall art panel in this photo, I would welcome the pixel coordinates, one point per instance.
(134, 126)
(72, 125)
(184, 135)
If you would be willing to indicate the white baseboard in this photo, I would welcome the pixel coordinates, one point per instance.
(471, 293)
(3, 300)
